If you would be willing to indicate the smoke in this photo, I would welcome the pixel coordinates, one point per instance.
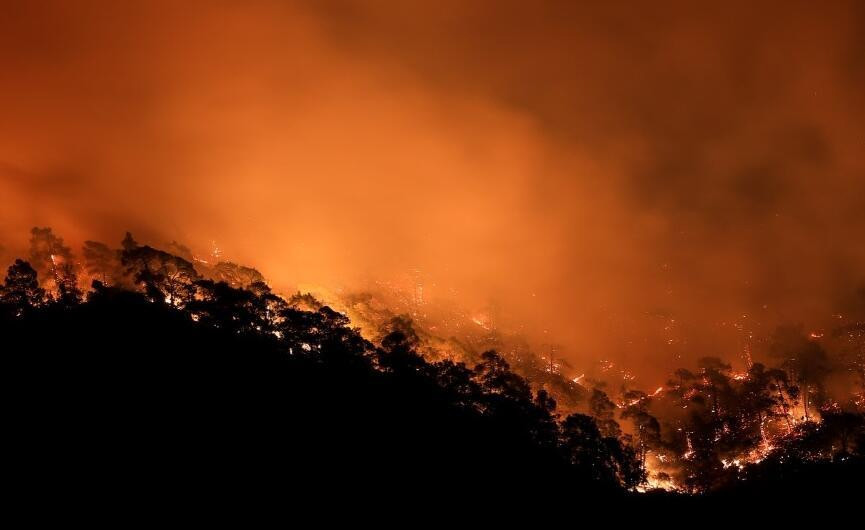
(626, 180)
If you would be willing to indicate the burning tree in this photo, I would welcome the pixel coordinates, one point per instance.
(853, 335)
(101, 262)
(236, 275)
(603, 410)
(636, 408)
(54, 260)
(164, 277)
(806, 362)
(703, 429)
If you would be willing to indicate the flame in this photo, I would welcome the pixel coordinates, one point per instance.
(481, 321)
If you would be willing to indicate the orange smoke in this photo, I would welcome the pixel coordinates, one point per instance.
(626, 180)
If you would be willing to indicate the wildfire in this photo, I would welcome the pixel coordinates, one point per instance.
(730, 463)
(657, 477)
(760, 413)
(481, 321)
(608, 366)
(689, 453)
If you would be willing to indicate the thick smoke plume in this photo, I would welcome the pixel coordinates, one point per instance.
(627, 181)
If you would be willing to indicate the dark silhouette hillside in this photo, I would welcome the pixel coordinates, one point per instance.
(120, 394)
(175, 379)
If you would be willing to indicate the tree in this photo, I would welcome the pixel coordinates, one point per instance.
(180, 250)
(304, 302)
(269, 304)
(457, 379)
(853, 335)
(805, 359)
(400, 328)
(52, 258)
(603, 410)
(763, 394)
(398, 352)
(236, 275)
(100, 261)
(223, 306)
(165, 277)
(128, 243)
(648, 428)
(45, 247)
(495, 376)
(322, 330)
(716, 381)
(586, 449)
(21, 290)
(70, 293)
(842, 431)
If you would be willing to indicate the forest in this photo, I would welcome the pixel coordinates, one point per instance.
(136, 369)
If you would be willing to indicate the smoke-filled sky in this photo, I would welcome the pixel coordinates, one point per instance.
(584, 166)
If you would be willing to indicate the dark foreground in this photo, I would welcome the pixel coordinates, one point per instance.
(122, 401)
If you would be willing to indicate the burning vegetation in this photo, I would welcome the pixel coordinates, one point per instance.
(494, 402)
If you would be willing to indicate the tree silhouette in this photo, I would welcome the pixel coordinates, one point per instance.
(304, 302)
(128, 244)
(228, 370)
(587, 450)
(20, 291)
(223, 306)
(101, 262)
(51, 258)
(603, 410)
(648, 428)
(236, 275)
(180, 250)
(805, 359)
(163, 276)
(853, 335)
(715, 382)
(496, 378)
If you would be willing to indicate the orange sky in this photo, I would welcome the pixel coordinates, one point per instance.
(585, 167)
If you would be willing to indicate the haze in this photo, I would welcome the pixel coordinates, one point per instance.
(596, 172)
